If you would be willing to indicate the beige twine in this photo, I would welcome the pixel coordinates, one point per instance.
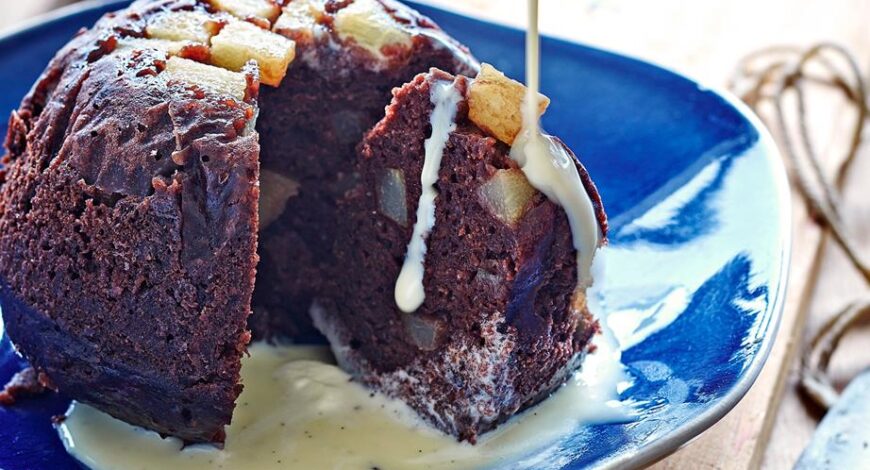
(768, 76)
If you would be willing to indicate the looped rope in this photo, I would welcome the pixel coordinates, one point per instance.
(769, 75)
(814, 370)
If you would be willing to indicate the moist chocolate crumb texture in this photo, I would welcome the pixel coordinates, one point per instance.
(503, 322)
(181, 150)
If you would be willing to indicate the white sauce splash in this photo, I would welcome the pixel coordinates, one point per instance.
(298, 410)
(548, 166)
(409, 291)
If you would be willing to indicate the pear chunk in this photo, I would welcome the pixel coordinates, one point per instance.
(239, 42)
(243, 9)
(495, 104)
(507, 195)
(392, 198)
(182, 26)
(299, 18)
(368, 24)
(275, 190)
(207, 77)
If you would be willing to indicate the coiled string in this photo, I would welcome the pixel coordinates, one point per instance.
(768, 76)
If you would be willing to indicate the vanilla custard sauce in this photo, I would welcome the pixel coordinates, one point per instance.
(299, 410)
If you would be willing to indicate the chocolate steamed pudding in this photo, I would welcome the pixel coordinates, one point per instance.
(187, 175)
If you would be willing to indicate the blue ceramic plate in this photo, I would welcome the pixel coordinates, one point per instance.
(699, 245)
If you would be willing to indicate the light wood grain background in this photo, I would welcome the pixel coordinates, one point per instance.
(705, 39)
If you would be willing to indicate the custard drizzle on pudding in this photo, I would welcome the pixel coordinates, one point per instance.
(409, 286)
(550, 168)
(547, 165)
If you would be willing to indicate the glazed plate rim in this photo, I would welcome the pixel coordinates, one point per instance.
(669, 443)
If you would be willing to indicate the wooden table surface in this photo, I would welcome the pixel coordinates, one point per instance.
(771, 426)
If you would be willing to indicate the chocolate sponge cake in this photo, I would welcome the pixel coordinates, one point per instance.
(500, 324)
(128, 243)
(145, 162)
(190, 174)
(309, 128)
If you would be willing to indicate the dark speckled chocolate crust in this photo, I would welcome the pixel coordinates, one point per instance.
(128, 235)
(498, 330)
